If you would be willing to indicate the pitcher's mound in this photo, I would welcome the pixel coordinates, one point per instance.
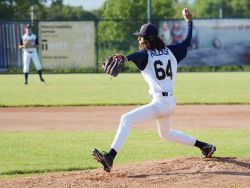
(180, 172)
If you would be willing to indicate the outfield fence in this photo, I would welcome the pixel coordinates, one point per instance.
(10, 35)
(75, 45)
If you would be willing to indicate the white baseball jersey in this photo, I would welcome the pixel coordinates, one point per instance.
(160, 72)
(32, 39)
(30, 53)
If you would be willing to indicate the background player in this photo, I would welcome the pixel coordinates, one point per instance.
(158, 65)
(30, 53)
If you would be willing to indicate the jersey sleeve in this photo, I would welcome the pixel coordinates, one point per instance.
(180, 49)
(21, 42)
(140, 58)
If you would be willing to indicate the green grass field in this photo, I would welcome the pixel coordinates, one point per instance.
(26, 153)
(98, 89)
(29, 153)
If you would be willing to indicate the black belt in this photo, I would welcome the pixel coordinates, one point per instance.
(30, 52)
(165, 94)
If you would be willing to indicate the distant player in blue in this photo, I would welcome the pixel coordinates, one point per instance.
(158, 65)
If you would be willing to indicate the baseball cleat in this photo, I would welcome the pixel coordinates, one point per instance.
(104, 159)
(42, 81)
(207, 151)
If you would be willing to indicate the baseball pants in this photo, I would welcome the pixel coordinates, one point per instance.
(160, 109)
(27, 57)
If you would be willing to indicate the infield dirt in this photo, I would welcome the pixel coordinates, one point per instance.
(180, 172)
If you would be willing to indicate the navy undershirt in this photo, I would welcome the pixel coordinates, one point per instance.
(140, 58)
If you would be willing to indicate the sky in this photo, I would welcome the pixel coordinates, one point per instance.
(86, 4)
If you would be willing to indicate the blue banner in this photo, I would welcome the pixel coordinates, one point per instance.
(10, 36)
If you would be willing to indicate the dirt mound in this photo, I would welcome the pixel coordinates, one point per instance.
(181, 172)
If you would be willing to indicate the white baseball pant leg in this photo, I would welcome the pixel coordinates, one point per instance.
(36, 61)
(159, 109)
(173, 135)
(26, 61)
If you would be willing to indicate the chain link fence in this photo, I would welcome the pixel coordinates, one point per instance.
(210, 46)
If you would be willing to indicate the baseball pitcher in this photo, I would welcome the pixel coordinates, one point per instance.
(158, 65)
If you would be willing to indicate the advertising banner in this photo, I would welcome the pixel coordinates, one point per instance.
(214, 42)
(67, 44)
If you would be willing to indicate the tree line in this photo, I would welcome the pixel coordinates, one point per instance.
(11, 10)
(123, 9)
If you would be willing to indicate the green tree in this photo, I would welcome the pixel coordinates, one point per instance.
(58, 11)
(6, 10)
(230, 8)
(165, 9)
(20, 9)
(240, 8)
(179, 7)
(130, 15)
(210, 8)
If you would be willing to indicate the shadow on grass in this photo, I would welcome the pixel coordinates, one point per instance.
(40, 171)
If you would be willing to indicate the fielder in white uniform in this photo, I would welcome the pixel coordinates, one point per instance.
(158, 65)
(30, 53)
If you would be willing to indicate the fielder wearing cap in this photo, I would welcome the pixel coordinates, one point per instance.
(29, 44)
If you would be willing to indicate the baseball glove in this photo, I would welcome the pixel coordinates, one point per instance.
(27, 44)
(113, 65)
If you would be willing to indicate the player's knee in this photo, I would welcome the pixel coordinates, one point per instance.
(38, 67)
(165, 135)
(126, 120)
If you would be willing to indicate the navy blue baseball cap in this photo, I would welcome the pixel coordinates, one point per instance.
(28, 26)
(147, 30)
